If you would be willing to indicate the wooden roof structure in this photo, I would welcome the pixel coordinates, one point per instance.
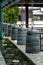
(26, 3)
(36, 3)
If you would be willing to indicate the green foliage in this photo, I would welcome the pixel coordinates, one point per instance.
(11, 15)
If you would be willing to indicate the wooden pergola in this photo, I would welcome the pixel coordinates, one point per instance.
(26, 3)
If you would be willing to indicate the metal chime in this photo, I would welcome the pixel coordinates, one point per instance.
(22, 31)
(33, 38)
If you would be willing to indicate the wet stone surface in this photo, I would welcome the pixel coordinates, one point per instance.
(36, 58)
(12, 55)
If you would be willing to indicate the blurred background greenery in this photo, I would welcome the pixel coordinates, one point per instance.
(11, 15)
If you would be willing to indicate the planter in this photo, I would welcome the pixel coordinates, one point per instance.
(14, 33)
(33, 42)
(21, 36)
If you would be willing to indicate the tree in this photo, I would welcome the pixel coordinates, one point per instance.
(11, 15)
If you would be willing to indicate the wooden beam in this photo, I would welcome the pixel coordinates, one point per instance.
(29, 4)
(27, 16)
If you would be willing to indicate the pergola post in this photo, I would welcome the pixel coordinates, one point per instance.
(0, 27)
(26, 15)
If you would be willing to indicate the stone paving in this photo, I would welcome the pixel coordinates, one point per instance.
(36, 58)
(2, 61)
